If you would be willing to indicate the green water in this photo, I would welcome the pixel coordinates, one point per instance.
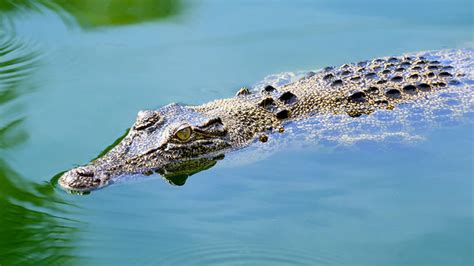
(73, 75)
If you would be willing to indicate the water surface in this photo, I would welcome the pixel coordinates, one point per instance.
(73, 75)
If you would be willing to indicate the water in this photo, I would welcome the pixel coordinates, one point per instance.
(77, 77)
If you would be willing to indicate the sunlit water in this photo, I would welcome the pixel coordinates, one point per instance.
(73, 82)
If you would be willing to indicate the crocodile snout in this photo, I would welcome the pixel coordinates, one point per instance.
(83, 178)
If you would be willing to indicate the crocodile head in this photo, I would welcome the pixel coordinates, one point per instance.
(171, 141)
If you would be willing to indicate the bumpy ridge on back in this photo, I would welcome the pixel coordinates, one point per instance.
(392, 97)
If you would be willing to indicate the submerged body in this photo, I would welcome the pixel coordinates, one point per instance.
(180, 140)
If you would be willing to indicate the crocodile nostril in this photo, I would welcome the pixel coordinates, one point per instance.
(85, 178)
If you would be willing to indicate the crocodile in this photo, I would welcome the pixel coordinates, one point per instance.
(178, 140)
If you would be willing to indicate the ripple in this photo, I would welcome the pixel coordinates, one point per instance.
(34, 228)
(17, 60)
(248, 254)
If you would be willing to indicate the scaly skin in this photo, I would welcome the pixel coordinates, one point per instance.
(207, 131)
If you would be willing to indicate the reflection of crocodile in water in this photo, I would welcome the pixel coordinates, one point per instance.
(177, 141)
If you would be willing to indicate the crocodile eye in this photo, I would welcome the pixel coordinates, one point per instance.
(184, 133)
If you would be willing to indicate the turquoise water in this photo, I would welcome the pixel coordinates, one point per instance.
(76, 79)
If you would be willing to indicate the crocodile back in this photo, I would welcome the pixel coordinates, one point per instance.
(387, 98)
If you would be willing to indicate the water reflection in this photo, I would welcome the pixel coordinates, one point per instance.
(93, 13)
(177, 173)
(31, 227)
(17, 62)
